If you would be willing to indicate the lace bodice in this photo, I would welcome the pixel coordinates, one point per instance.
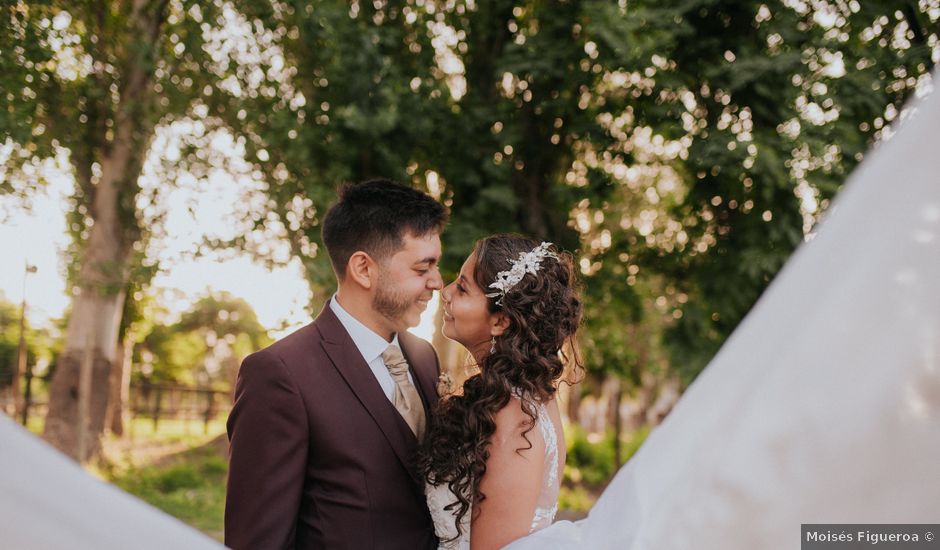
(440, 496)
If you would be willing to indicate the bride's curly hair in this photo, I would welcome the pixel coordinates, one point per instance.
(544, 312)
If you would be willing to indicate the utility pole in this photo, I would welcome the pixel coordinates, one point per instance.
(21, 348)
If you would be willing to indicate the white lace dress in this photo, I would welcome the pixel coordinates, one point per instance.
(440, 496)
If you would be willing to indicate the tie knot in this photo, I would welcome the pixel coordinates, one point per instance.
(395, 361)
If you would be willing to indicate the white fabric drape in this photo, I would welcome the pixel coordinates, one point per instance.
(824, 405)
(48, 502)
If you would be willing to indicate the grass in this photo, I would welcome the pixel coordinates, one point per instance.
(590, 466)
(34, 423)
(189, 485)
(179, 469)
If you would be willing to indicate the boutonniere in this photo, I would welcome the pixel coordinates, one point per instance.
(445, 384)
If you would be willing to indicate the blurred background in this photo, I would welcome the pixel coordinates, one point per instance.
(164, 165)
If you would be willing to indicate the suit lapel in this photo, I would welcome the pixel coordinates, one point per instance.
(347, 360)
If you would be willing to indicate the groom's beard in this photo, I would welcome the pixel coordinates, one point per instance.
(390, 302)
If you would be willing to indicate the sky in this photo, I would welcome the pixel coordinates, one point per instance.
(36, 235)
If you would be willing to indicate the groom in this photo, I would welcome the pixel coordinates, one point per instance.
(326, 421)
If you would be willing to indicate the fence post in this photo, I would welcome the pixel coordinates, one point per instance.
(182, 399)
(132, 407)
(210, 406)
(156, 408)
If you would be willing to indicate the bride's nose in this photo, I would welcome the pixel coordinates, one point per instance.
(445, 293)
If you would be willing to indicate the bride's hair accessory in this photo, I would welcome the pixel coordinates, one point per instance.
(527, 262)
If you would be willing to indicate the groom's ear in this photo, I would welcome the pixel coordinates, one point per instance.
(499, 322)
(362, 269)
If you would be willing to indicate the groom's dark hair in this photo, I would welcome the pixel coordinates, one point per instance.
(373, 216)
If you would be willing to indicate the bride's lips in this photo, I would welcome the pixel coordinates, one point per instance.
(448, 316)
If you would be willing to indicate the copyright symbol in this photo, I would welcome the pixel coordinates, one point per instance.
(928, 536)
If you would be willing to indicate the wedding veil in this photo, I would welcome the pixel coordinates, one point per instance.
(824, 405)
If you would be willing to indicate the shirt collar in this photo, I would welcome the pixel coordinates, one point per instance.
(370, 344)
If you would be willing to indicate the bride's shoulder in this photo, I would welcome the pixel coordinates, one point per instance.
(514, 426)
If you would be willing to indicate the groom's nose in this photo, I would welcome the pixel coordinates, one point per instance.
(436, 282)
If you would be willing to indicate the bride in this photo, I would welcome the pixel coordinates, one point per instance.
(494, 453)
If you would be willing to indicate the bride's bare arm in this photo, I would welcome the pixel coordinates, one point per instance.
(512, 482)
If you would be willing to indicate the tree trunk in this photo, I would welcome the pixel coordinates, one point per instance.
(574, 403)
(668, 396)
(98, 304)
(95, 319)
(120, 386)
(618, 423)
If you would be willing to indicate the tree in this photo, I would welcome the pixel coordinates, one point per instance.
(40, 344)
(94, 79)
(683, 175)
(205, 346)
(322, 93)
(420, 92)
(684, 149)
(760, 111)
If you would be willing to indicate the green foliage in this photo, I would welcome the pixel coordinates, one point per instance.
(591, 464)
(89, 82)
(769, 106)
(174, 479)
(39, 343)
(204, 347)
(9, 341)
(336, 93)
(683, 150)
(591, 461)
(675, 146)
(176, 355)
(577, 499)
(633, 442)
(69, 70)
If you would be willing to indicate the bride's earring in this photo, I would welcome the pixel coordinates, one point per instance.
(493, 345)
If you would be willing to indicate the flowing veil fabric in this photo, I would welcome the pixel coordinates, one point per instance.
(48, 502)
(824, 405)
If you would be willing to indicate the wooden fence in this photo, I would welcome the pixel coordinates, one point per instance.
(155, 402)
(164, 401)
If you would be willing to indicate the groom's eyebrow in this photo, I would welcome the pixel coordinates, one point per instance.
(429, 260)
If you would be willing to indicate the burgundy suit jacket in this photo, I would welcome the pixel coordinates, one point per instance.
(319, 457)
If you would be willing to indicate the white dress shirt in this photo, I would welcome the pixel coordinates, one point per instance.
(370, 345)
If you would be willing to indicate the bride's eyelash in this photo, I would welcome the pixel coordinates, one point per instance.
(461, 289)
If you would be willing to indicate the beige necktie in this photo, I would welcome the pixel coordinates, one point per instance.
(405, 397)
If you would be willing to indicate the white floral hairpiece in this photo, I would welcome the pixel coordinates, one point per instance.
(527, 262)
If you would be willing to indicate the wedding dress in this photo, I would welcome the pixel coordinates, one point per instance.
(439, 497)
